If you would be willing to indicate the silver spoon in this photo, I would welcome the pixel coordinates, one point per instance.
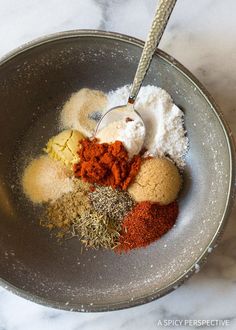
(127, 111)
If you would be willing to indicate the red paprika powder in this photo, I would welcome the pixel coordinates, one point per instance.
(106, 164)
(145, 224)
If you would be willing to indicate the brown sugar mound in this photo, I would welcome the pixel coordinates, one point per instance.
(106, 164)
(158, 181)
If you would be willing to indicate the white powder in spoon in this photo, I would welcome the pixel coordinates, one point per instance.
(130, 133)
(165, 133)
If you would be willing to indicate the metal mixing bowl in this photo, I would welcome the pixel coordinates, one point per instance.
(35, 81)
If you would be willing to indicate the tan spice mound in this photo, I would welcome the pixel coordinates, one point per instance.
(80, 111)
(158, 181)
(61, 213)
(45, 179)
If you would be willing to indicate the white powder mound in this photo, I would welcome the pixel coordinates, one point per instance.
(165, 133)
(131, 133)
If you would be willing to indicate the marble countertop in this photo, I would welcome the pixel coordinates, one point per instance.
(201, 35)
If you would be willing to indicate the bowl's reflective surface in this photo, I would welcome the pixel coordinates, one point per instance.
(34, 84)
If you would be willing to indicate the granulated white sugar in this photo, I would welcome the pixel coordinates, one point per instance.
(165, 133)
(45, 179)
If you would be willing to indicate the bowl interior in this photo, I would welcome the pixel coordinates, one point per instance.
(33, 87)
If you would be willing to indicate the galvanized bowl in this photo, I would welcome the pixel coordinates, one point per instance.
(35, 81)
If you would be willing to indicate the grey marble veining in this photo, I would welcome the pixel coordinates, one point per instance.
(201, 34)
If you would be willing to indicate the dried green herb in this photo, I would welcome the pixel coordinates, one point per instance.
(111, 202)
(96, 230)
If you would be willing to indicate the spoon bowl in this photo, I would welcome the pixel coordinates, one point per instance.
(125, 124)
(161, 17)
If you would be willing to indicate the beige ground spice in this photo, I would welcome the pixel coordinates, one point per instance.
(46, 180)
(81, 110)
(62, 213)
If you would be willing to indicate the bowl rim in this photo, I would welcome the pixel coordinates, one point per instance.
(231, 189)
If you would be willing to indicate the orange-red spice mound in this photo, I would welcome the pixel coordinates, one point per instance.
(106, 164)
(146, 223)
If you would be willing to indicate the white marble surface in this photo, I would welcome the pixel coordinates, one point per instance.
(201, 34)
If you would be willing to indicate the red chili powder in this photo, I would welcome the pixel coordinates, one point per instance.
(145, 224)
(106, 164)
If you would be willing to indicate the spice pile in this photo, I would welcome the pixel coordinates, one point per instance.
(106, 164)
(62, 212)
(103, 190)
(112, 202)
(96, 230)
(145, 224)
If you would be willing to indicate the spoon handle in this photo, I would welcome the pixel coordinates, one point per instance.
(160, 20)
